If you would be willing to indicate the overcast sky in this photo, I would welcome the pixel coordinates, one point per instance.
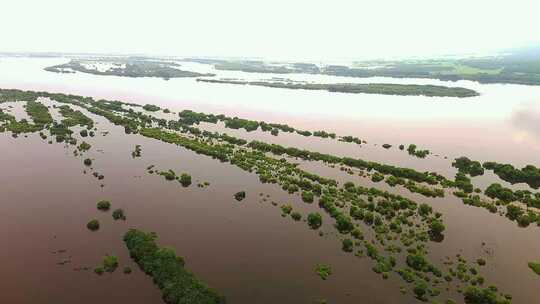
(291, 29)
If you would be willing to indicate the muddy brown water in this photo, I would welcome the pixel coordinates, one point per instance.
(245, 250)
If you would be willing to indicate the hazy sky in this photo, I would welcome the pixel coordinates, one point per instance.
(277, 29)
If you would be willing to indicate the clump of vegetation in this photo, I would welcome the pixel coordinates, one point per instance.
(104, 205)
(118, 214)
(464, 183)
(151, 108)
(307, 196)
(387, 146)
(83, 147)
(436, 227)
(39, 113)
(420, 290)
(127, 270)
(286, 209)
(185, 179)
(177, 284)
(239, 196)
(99, 270)
(418, 153)
(137, 151)
(497, 191)
(296, 216)
(169, 175)
(535, 266)
(73, 118)
(377, 177)
(347, 245)
(528, 174)
(110, 263)
(314, 220)
(350, 139)
(323, 270)
(477, 295)
(93, 225)
(87, 162)
(467, 166)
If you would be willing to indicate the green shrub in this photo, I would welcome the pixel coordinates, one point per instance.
(104, 205)
(314, 220)
(118, 214)
(323, 271)
(239, 196)
(110, 263)
(286, 209)
(347, 245)
(534, 266)
(99, 270)
(307, 196)
(93, 225)
(185, 179)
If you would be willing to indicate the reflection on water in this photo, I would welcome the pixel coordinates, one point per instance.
(526, 119)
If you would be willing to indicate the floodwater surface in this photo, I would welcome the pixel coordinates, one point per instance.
(247, 250)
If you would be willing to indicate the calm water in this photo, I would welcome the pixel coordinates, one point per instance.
(246, 250)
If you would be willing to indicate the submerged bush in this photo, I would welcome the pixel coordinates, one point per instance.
(296, 216)
(436, 227)
(347, 245)
(307, 196)
(110, 263)
(185, 179)
(286, 209)
(118, 214)
(151, 108)
(534, 266)
(239, 196)
(104, 205)
(99, 270)
(314, 220)
(476, 295)
(323, 270)
(93, 225)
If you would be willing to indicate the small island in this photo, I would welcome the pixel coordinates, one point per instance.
(128, 67)
(357, 88)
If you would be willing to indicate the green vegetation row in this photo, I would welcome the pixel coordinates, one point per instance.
(364, 88)
(529, 174)
(189, 117)
(178, 285)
